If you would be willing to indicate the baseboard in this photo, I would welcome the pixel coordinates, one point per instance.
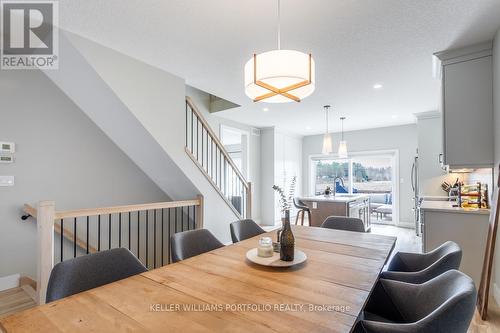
(404, 224)
(496, 293)
(9, 282)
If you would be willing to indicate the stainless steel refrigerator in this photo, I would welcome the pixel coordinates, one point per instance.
(416, 194)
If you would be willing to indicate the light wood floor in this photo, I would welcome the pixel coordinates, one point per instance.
(14, 300)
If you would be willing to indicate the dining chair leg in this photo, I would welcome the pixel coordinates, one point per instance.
(302, 220)
(297, 217)
(309, 217)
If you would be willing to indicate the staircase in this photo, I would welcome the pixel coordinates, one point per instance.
(19, 298)
(208, 153)
(143, 110)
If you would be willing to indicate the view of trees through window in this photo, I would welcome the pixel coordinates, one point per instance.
(370, 174)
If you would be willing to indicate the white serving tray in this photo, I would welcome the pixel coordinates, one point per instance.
(274, 261)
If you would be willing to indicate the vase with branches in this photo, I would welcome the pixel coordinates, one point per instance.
(285, 235)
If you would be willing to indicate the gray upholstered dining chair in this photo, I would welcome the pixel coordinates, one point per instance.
(443, 304)
(302, 209)
(191, 243)
(91, 271)
(419, 268)
(244, 229)
(344, 223)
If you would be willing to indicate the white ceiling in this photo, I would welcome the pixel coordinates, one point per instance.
(355, 43)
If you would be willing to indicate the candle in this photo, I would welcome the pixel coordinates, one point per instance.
(265, 248)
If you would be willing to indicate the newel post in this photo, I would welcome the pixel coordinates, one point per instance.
(249, 201)
(45, 246)
(199, 212)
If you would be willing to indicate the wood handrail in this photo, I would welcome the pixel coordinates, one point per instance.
(114, 210)
(214, 137)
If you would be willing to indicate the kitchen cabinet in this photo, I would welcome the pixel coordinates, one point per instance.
(468, 228)
(467, 106)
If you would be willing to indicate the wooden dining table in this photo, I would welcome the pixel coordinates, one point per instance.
(221, 291)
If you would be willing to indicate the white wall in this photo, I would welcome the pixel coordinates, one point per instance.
(267, 169)
(61, 155)
(401, 138)
(288, 164)
(202, 101)
(496, 102)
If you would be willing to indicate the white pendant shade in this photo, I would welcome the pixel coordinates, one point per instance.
(342, 152)
(280, 76)
(327, 144)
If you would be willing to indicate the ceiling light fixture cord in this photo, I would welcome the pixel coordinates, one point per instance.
(342, 126)
(326, 114)
(279, 24)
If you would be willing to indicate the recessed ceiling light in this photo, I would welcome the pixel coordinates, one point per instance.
(308, 127)
(377, 86)
(394, 116)
(265, 109)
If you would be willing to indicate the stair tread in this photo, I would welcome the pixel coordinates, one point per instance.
(14, 300)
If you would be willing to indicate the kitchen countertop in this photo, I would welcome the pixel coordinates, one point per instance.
(447, 206)
(338, 198)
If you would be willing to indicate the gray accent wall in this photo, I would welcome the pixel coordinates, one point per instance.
(61, 155)
(400, 138)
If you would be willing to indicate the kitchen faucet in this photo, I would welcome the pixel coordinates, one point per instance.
(335, 184)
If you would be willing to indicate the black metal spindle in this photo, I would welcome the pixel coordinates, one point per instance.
(216, 168)
(98, 233)
(74, 238)
(62, 238)
(129, 230)
(154, 240)
(109, 232)
(212, 159)
(182, 218)
(188, 218)
(175, 215)
(120, 230)
(169, 228)
(197, 138)
(147, 237)
(162, 234)
(194, 217)
(87, 249)
(138, 234)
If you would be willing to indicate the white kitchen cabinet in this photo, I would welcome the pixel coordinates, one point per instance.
(467, 106)
(468, 228)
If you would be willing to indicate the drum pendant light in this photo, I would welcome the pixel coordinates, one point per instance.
(280, 76)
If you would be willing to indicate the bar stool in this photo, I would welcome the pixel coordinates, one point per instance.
(302, 209)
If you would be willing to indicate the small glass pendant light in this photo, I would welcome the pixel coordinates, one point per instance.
(327, 138)
(342, 151)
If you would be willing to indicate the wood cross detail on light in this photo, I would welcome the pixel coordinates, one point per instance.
(273, 91)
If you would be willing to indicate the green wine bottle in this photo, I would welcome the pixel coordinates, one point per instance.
(287, 240)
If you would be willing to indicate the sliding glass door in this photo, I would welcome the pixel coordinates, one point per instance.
(364, 173)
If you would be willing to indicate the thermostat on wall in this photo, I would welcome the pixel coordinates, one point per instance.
(6, 180)
(6, 159)
(7, 147)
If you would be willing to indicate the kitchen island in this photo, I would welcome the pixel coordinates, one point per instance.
(350, 205)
